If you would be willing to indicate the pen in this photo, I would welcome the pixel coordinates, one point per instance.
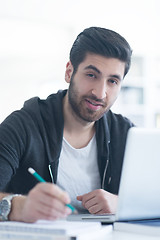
(40, 179)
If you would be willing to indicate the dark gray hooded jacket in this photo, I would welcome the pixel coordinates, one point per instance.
(32, 137)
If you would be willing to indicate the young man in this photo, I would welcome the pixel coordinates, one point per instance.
(71, 139)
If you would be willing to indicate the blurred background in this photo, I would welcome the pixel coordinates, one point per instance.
(36, 37)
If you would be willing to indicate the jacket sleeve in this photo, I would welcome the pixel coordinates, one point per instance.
(12, 135)
(23, 141)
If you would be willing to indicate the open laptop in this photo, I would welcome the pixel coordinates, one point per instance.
(139, 193)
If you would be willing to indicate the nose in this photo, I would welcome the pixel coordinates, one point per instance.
(100, 89)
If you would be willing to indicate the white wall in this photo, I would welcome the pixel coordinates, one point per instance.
(36, 36)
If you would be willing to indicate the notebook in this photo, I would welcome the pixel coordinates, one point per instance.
(139, 193)
(53, 230)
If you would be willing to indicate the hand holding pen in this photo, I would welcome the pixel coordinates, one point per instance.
(44, 201)
(60, 192)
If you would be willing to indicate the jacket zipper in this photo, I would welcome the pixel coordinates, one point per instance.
(104, 174)
(50, 171)
(106, 167)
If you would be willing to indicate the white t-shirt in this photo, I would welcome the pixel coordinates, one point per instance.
(78, 171)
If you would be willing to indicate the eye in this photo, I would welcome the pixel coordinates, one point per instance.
(113, 81)
(91, 75)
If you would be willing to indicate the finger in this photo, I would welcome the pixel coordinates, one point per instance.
(102, 212)
(94, 209)
(86, 198)
(53, 212)
(53, 203)
(90, 195)
(39, 214)
(50, 201)
(54, 191)
(90, 203)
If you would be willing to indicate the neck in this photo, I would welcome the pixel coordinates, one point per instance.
(76, 131)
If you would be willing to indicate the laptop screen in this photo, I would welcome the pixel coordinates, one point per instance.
(139, 194)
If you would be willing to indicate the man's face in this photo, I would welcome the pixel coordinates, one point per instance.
(95, 86)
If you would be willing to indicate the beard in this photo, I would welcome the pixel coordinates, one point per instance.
(78, 104)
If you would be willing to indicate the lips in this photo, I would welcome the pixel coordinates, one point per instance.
(93, 105)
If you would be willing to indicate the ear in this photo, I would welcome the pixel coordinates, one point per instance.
(68, 72)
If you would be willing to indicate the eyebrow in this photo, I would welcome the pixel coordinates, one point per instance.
(99, 72)
(116, 76)
(93, 68)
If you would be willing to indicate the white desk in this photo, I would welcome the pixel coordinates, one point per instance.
(117, 235)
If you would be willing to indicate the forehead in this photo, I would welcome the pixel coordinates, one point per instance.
(103, 64)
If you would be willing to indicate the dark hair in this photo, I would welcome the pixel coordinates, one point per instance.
(100, 41)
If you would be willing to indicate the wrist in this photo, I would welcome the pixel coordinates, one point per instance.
(17, 208)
